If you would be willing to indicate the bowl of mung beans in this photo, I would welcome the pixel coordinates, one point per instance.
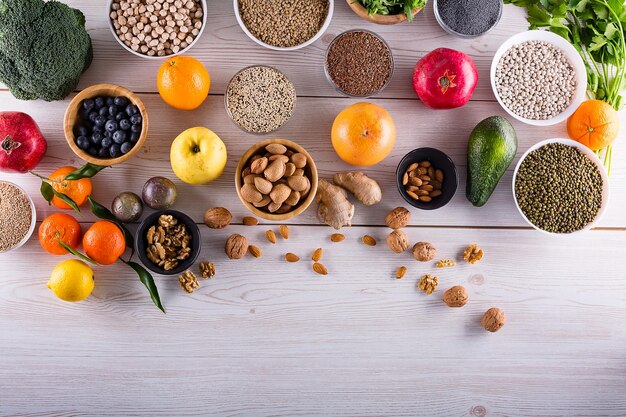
(560, 187)
(538, 77)
(18, 217)
(284, 25)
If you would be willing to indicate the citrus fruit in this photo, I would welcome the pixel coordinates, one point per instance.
(183, 82)
(71, 280)
(595, 124)
(59, 226)
(77, 190)
(363, 134)
(104, 242)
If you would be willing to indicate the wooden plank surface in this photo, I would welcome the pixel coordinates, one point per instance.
(267, 338)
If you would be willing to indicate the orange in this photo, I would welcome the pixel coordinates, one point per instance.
(595, 124)
(77, 190)
(104, 242)
(59, 226)
(363, 134)
(183, 82)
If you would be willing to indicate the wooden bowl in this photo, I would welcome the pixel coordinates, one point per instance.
(310, 171)
(71, 116)
(381, 19)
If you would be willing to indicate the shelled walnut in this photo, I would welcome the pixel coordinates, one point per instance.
(168, 242)
(207, 269)
(473, 253)
(428, 283)
(188, 281)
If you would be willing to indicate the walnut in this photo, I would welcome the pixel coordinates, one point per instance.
(398, 218)
(398, 241)
(217, 217)
(188, 281)
(428, 283)
(168, 242)
(455, 296)
(167, 220)
(424, 251)
(493, 319)
(236, 246)
(207, 269)
(473, 253)
(445, 263)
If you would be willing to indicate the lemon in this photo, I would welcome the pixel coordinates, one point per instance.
(71, 280)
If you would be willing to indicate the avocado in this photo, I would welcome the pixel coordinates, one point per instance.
(490, 150)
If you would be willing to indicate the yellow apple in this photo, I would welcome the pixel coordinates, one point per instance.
(198, 156)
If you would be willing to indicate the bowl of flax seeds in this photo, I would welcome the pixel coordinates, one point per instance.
(17, 216)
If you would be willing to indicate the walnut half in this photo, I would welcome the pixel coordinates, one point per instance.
(188, 281)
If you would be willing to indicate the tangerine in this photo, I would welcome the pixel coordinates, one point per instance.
(363, 134)
(595, 124)
(59, 226)
(183, 82)
(77, 190)
(104, 242)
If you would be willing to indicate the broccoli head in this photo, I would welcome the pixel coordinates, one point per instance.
(44, 48)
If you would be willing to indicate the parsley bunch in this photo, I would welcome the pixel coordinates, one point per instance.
(596, 29)
(386, 7)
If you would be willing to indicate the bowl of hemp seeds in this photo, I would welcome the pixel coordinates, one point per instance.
(538, 77)
(560, 187)
(17, 217)
(284, 25)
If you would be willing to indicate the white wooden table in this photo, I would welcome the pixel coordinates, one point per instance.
(269, 338)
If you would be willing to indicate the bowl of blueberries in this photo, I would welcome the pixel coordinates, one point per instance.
(106, 124)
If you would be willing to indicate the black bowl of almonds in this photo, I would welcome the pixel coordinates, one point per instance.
(168, 242)
(427, 178)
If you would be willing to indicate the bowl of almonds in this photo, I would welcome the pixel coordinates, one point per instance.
(427, 178)
(276, 179)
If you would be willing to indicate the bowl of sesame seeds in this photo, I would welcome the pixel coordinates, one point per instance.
(17, 216)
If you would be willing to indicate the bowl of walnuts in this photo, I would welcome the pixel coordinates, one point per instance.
(276, 179)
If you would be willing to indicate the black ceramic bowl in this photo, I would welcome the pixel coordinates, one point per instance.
(141, 242)
(439, 160)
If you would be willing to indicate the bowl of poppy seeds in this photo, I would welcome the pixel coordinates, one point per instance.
(358, 63)
(560, 187)
(284, 25)
(468, 18)
(260, 99)
(17, 216)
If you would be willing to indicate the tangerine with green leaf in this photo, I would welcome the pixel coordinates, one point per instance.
(77, 190)
(59, 227)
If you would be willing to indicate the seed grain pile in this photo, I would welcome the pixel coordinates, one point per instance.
(283, 23)
(260, 99)
(359, 63)
(15, 216)
(469, 17)
(535, 80)
(558, 188)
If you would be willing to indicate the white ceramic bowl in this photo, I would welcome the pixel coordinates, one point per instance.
(589, 153)
(182, 51)
(32, 223)
(329, 16)
(572, 55)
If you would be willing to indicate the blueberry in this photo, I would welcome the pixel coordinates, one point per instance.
(104, 111)
(113, 110)
(83, 131)
(120, 101)
(103, 153)
(106, 142)
(135, 119)
(83, 143)
(93, 151)
(126, 147)
(120, 116)
(99, 102)
(131, 109)
(96, 138)
(134, 137)
(119, 137)
(124, 124)
(100, 121)
(109, 101)
(135, 128)
(111, 126)
(97, 129)
(92, 116)
(114, 151)
(108, 134)
(88, 104)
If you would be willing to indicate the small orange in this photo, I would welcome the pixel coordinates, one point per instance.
(77, 190)
(183, 82)
(59, 226)
(363, 134)
(104, 242)
(595, 124)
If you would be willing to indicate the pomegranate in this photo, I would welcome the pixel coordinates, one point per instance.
(21, 144)
(445, 78)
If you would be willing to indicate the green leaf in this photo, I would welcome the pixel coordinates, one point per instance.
(601, 11)
(86, 171)
(47, 191)
(597, 43)
(76, 253)
(611, 31)
(147, 280)
(104, 213)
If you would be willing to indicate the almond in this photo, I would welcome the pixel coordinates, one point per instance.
(284, 208)
(255, 251)
(250, 221)
(263, 185)
(284, 159)
(293, 199)
(290, 168)
(320, 269)
(276, 148)
(259, 165)
(337, 237)
(299, 160)
(274, 171)
(369, 240)
(280, 193)
(298, 183)
(271, 236)
(250, 193)
(264, 201)
(317, 255)
(273, 207)
(284, 231)
(400, 272)
(291, 257)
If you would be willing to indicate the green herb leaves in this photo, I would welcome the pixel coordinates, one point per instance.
(389, 7)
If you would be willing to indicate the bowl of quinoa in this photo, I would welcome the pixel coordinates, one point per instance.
(538, 77)
(17, 216)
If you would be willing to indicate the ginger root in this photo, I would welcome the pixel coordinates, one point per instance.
(334, 207)
(364, 188)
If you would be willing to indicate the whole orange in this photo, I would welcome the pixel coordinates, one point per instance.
(595, 124)
(363, 134)
(77, 190)
(104, 242)
(59, 226)
(183, 82)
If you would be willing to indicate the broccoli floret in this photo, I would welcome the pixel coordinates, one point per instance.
(44, 48)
